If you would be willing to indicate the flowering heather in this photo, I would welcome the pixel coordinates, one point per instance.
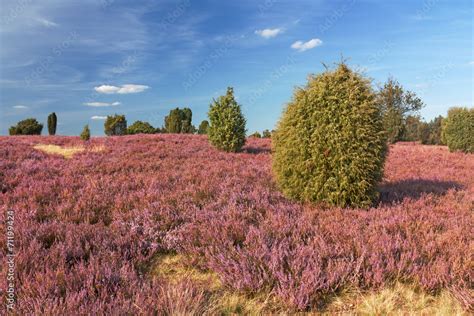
(88, 228)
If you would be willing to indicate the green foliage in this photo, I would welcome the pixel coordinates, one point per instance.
(179, 121)
(256, 135)
(29, 126)
(227, 129)
(329, 145)
(86, 133)
(203, 127)
(458, 129)
(115, 125)
(430, 133)
(396, 104)
(266, 134)
(140, 127)
(52, 123)
(413, 124)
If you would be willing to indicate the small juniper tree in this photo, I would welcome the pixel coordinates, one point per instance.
(329, 145)
(115, 125)
(227, 123)
(203, 127)
(52, 123)
(86, 133)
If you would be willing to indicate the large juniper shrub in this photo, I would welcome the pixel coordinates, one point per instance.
(458, 129)
(329, 145)
(227, 129)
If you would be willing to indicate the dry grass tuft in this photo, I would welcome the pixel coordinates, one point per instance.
(399, 299)
(172, 268)
(221, 300)
(66, 152)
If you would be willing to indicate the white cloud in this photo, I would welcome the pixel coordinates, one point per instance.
(471, 63)
(46, 23)
(99, 104)
(132, 88)
(106, 89)
(19, 106)
(269, 33)
(303, 46)
(98, 117)
(124, 89)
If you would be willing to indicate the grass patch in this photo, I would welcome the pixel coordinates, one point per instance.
(399, 299)
(66, 152)
(222, 301)
(172, 268)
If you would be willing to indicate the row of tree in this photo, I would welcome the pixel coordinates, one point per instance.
(179, 121)
(226, 129)
(399, 110)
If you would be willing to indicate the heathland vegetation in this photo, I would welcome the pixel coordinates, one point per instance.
(330, 212)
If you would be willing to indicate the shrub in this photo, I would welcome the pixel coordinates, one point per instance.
(396, 104)
(86, 133)
(115, 125)
(266, 134)
(227, 129)
(179, 121)
(29, 126)
(459, 129)
(329, 145)
(140, 127)
(52, 123)
(203, 127)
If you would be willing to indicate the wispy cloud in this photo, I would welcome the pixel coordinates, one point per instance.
(47, 23)
(124, 89)
(269, 33)
(101, 104)
(98, 117)
(19, 106)
(304, 46)
(471, 63)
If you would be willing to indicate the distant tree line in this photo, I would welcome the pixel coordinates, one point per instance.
(265, 134)
(225, 125)
(401, 121)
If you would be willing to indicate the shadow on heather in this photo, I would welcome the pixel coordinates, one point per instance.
(397, 191)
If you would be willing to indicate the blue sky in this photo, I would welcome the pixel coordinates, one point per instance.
(87, 59)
